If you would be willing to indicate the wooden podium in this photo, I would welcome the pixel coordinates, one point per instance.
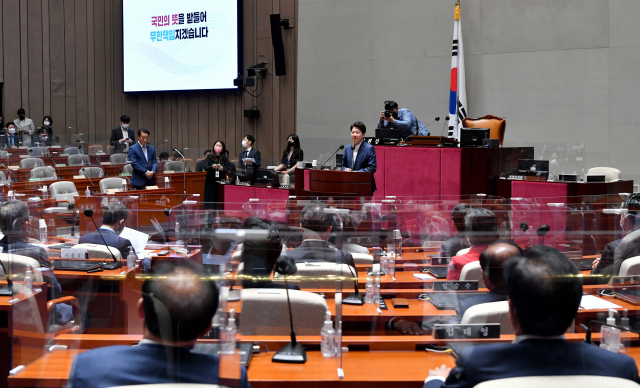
(339, 183)
(433, 141)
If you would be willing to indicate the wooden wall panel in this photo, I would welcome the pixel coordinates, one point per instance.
(64, 58)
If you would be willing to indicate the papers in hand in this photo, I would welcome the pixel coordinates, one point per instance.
(252, 160)
(592, 302)
(138, 239)
(423, 276)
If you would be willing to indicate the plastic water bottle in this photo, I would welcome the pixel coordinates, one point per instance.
(229, 335)
(28, 281)
(376, 289)
(383, 263)
(610, 336)
(167, 182)
(391, 263)
(397, 241)
(368, 296)
(217, 219)
(131, 258)
(124, 185)
(55, 176)
(87, 192)
(45, 192)
(43, 230)
(328, 337)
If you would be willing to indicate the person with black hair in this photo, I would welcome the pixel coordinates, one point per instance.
(291, 155)
(143, 160)
(260, 257)
(360, 156)
(24, 125)
(452, 245)
(44, 134)
(200, 164)
(164, 156)
(16, 225)
(630, 224)
(316, 225)
(122, 136)
(216, 164)
(12, 139)
(544, 291)
(249, 152)
(177, 305)
(481, 226)
(114, 218)
(402, 119)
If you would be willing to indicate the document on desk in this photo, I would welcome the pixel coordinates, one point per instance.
(592, 302)
(138, 239)
(423, 276)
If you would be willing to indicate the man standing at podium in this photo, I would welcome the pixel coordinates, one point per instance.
(360, 156)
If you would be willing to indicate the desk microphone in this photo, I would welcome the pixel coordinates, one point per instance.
(328, 159)
(293, 352)
(434, 120)
(184, 173)
(116, 264)
(357, 298)
(444, 126)
(542, 231)
(55, 165)
(523, 227)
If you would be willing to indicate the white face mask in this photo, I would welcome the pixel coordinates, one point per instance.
(47, 123)
(244, 143)
(12, 131)
(125, 126)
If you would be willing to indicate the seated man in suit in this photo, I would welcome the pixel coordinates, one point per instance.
(113, 219)
(16, 224)
(316, 227)
(260, 257)
(144, 162)
(200, 164)
(630, 223)
(451, 246)
(360, 156)
(481, 226)
(544, 292)
(12, 139)
(177, 305)
(122, 136)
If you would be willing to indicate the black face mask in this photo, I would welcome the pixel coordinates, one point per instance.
(290, 144)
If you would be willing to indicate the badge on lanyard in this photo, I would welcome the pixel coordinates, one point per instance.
(217, 173)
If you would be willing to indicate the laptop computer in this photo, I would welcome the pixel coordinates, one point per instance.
(5, 290)
(438, 272)
(449, 300)
(75, 265)
(389, 134)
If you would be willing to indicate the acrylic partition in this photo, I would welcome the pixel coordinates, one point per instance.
(383, 276)
(564, 159)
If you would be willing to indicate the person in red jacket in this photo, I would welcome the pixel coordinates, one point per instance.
(481, 226)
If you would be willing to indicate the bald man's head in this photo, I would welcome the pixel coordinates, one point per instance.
(179, 301)
(492, 259)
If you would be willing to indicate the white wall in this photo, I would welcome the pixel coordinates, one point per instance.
(559, 70)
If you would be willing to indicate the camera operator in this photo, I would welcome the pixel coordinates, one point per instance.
(402, 119)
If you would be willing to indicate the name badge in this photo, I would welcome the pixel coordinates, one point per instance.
(70, 253)
(217, 173)
(470, 285)
(480, 330)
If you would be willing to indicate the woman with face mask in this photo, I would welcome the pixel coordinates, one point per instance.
(217, 165)
(291, 155)
(45, 133)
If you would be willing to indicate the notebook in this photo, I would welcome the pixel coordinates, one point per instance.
(438, 272)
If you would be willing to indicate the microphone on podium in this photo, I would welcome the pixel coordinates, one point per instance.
(446, 119)
(434, 120)
(329, 158)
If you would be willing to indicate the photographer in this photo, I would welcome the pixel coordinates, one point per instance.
(401, 119)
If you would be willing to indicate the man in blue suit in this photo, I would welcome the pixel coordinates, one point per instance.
(177, 305)
(544, 292)
(12, 138)
(360, 156)
(143, 160)
(113, 220)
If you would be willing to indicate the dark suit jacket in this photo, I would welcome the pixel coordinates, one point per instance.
(605, 266)
(253, 153)
(365, 161)
(200, 165)
(495, 295)
(112, 239)
(451, 247)
(16, 139)
(319, 251)
(141, 165)
(116, 136)
(535, 357)
(114, 366)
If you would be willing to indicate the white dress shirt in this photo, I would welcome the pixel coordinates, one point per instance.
(355, 156)
(144, 151)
